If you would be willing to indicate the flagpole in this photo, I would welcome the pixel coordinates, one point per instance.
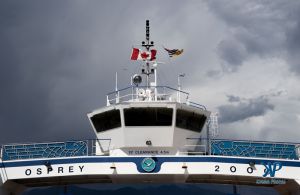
(179, 86)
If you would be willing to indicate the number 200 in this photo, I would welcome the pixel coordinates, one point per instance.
(233, 169)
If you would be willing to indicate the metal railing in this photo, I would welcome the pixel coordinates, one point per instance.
(194, 104)
(93, 147)
(55, 149)
(44, 150)
(254, 149)
(143, 93)
(249, 148)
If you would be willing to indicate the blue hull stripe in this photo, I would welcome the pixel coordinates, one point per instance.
(138, 160)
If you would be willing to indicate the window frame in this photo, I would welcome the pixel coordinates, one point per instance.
(201, 117)
(169, 114)
(117, 118)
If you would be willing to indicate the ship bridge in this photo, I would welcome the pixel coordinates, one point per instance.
(155, 118)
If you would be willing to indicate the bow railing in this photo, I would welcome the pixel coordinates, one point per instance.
(93, 147)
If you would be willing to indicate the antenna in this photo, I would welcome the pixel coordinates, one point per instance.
(147, 44)
(179, 86)
(117, 91)
(116, 81)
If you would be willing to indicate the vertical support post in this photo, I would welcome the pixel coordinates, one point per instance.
(107, 101)
(131, 84)
(155, 81)
(117, 92)
(208, 138)
(179, 87)
(147, 73)
(116, 81)
(132, 93)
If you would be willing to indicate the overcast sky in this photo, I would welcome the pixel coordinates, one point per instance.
(58, 60)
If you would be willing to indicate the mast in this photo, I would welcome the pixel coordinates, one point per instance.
(147, 44)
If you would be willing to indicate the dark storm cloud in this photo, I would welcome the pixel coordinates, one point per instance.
(233, 53)
(214, 73)
(293, 44)
(259, 28)
(232, 98)
(25, 69)
(48, 74)
(58, 60)
(243, 109)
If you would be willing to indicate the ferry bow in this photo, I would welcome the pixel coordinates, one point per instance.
(148, 133)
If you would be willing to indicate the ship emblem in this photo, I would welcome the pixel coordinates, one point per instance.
(148, 164)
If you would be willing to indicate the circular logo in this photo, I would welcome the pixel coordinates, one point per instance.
(148, 164)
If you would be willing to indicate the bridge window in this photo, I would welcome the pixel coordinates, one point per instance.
(148, 116)
(190, 120)
(107, 120)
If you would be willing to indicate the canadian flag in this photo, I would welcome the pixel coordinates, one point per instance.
(138, 54)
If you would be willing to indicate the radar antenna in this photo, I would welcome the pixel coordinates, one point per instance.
(148, 44)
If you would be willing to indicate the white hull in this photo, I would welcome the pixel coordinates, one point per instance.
(169, 169)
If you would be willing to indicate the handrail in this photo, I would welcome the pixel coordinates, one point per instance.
(48, 149)
(123, 89)
(176, 90)
(196, 105)
(161, 86)
(241, 140)
(149, 93)
(251, 148)
(51, 141)
(215, 147)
